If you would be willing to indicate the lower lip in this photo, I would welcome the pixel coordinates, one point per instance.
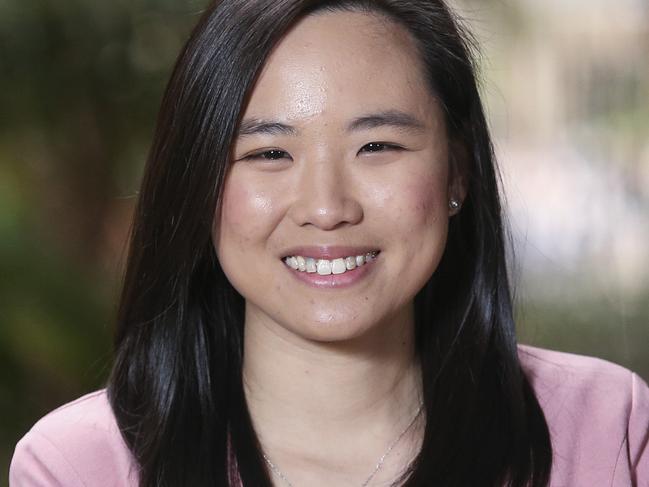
(334, 281)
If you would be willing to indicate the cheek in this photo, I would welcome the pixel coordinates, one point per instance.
(421, 213)
(420, 200)
(425, 220)
(424, 203)
(246, 214)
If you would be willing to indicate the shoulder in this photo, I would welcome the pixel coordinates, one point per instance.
(597, 413)
(567, 382)
(77, 444)
(548, 369)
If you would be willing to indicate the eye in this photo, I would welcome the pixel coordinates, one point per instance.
(379, 147)
(270, 155)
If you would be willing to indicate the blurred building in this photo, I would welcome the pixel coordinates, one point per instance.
(567, 84)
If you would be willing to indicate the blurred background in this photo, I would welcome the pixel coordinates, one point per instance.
(566, 85)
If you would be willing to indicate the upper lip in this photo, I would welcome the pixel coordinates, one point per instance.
(328, 252)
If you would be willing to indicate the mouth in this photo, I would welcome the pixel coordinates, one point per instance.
(319, 265)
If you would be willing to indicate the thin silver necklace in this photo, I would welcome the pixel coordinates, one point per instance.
(281, 475)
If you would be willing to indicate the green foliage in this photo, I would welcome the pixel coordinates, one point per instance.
(80, 83)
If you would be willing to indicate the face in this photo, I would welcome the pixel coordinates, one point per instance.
(342, 150)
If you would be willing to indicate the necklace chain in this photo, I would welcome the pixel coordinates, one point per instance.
(379, 464)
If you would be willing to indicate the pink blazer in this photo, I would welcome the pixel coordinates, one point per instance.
(598, 414)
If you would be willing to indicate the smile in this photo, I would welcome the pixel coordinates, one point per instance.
(325, 267)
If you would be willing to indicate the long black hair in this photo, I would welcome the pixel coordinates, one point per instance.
(176, 387)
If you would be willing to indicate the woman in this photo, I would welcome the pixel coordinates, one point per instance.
(316, 291)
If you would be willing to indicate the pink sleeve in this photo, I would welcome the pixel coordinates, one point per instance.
(38, 463)
(639, 432)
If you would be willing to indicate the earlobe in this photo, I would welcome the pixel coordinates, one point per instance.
(457, 187)
(454, 204)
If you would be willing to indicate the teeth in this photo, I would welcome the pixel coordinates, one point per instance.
(326, 267)
(338, 266)
(292, 262)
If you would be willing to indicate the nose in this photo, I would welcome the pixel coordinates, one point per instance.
(326, 195)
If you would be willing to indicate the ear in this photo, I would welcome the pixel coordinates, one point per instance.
(458, 175)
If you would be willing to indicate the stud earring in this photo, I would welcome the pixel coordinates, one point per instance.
(454, 204)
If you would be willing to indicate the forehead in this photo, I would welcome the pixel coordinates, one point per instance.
(336, 64)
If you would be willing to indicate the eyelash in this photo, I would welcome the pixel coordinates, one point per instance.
(263, 154)
(385, 145)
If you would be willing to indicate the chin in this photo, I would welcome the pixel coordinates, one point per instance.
(329, 329)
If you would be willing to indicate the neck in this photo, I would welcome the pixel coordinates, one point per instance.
(321, 399)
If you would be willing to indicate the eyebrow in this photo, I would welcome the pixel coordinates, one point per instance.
(388, 118)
